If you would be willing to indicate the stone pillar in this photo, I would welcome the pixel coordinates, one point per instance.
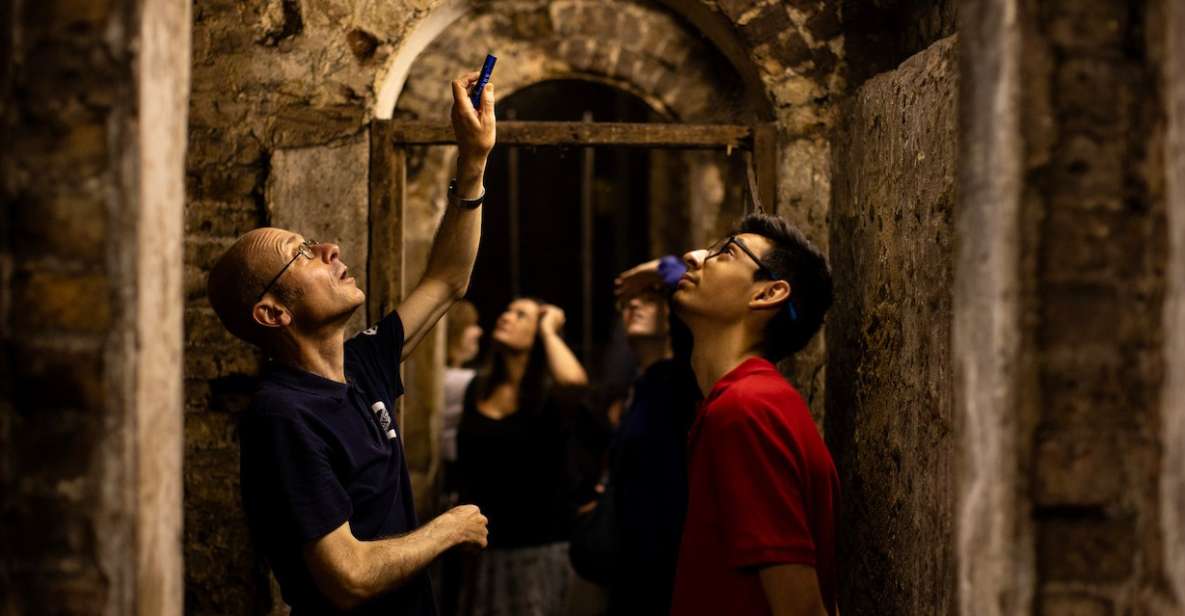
(1058, 308)
(93, 104)
(890, 416)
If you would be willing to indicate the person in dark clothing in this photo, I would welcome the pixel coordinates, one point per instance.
(324, 482)
(648, 463)
(514, 462)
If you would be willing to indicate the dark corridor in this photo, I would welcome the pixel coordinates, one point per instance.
(550, 185)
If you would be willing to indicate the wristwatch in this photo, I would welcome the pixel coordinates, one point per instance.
(469, 204)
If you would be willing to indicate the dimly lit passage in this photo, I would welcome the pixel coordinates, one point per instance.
(268, 349)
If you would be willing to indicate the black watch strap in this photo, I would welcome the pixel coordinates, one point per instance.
(469, 204)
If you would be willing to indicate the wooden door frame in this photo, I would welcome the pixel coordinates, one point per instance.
(389, 140)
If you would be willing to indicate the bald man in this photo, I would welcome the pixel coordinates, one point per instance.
(324, 482)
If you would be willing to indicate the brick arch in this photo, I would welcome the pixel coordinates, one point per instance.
(631, 46)
(786, 53)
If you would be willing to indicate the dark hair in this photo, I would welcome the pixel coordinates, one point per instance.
(536, 383)
(796, 260)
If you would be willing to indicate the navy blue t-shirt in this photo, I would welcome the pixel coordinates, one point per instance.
(316, 453)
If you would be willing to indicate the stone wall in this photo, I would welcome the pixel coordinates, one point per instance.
(890, 421)
(1098, 181)
(92, 113)
(1059, 303)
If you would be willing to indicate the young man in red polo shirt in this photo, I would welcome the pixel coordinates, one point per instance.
(761, 521)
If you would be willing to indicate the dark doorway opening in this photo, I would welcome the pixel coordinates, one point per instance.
(533, 240)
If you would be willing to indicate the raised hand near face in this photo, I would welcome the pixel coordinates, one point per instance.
(474, 128)
(551, 319)
(637, 280)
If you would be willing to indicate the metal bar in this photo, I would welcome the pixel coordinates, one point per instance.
(583, 134)
(586, 246)
(513, 207)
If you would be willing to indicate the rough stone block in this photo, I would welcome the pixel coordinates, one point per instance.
(302, 125)
(791, 50)
(1078, 467)
(220, 363)
(825, 24)
(566, 17)
(66, 536)
(57, 444)
(204, 252)
(767, 24)
(1066, 604)
(1087, 165)
(203, 330)
(1096, 550)
(221, 219)
(211, 432)
(71, 226)
(1088, 25)
(1079, 81)
(1063, 322)
(62, 302)
(323, 193)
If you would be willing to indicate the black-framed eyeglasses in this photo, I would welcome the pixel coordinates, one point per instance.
(304, 250)
(716, 250)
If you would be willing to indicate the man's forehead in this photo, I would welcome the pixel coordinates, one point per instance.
(758, 243)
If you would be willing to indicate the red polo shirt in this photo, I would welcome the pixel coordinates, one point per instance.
(763, 491)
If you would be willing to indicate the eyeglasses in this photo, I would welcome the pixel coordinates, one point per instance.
(715, 251)
(304, 250)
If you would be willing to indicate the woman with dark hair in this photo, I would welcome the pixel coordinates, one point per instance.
(514, 463)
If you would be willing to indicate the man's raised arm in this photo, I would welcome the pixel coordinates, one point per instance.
(454, 249)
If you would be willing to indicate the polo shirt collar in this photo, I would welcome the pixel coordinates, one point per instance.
(749, 367)
(295, 378)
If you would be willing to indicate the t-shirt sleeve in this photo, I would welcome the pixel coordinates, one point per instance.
(759, 488)
(378, 351)
(289, 480)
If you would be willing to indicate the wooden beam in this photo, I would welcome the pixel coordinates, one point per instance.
(585, 134)
(388, 184)
(765, 164)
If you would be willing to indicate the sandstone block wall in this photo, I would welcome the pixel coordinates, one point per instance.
(890, 421)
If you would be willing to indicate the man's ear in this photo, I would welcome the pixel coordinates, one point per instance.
(770, 296)
(270, 314)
